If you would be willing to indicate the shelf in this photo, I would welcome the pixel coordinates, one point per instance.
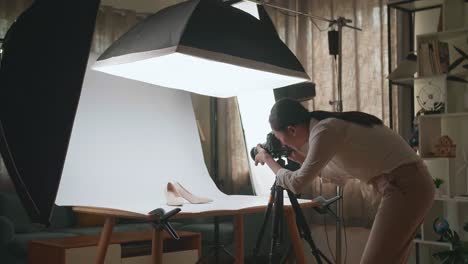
(445, 115)
(435, 158)
(409, 81)
(415, 5)
(451, 199)
(448, 34)
(452, 122)
(462, 199)
(430, 242)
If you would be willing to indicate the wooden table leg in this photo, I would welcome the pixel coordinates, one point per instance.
(157, 246)
(295, 238)
(239, 238)
(104, 239)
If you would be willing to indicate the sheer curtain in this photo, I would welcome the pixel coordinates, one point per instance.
(365, 67)
(365, 87)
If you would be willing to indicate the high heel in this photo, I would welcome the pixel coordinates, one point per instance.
(189, 196)
(173, 197)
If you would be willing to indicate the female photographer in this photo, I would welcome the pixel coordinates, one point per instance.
(356, 144)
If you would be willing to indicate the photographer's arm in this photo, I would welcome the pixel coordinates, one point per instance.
(264, 157)
(324, 141)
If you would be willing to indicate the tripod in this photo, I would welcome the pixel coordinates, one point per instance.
(277, 199)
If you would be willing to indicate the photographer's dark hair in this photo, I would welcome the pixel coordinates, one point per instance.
(287, 112)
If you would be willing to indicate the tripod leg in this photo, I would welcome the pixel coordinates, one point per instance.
(295, 238)
(302, 224)
(275, 255)
(265, 221)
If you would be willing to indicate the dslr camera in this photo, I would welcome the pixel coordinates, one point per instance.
(274, 147)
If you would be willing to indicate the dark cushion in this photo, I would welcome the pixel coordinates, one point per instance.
(96, 230)
(204, 220)
(7, 231)
(226, 231)
(11, 207)
(62, 217)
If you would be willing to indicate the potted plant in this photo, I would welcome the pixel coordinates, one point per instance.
(459, 251)
(438, 182)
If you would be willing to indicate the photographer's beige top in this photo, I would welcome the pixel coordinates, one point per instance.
(338, 149)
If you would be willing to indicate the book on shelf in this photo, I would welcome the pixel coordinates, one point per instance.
(406, 68)
(433, 58)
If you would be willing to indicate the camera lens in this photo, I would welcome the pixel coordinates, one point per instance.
(253, 152)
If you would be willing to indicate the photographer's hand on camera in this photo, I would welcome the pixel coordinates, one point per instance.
(262, 155)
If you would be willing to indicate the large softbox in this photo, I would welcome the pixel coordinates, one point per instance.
(205, 47)
(44, 59)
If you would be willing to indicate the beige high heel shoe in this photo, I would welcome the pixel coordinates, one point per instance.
(173, 197)
(189, 196)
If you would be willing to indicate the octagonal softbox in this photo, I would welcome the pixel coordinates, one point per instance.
(45, 53)
(205, 47)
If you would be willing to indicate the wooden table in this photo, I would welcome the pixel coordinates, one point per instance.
(53, 251)
(156, 252)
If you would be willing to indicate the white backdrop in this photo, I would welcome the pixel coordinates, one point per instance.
(129, 139)
(254, 110)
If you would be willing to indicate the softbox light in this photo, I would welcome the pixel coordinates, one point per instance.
(41, 72)
(300, 91)
(204, 47)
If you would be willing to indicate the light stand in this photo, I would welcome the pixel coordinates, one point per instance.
(339, 23)
(338, 105)
(216, 247)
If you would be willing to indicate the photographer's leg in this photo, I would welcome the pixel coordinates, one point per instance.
(408, 194)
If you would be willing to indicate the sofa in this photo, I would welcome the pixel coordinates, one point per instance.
(16, 230)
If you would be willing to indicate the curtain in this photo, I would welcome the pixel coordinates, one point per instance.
(365, 87)
(233, 158)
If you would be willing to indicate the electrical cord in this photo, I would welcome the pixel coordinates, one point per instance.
(344, 228)
(326, 236)
(325, 224)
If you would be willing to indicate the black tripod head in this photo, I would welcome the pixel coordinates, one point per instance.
(162, 223)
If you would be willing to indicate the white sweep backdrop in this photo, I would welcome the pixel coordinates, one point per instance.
(129, 139)
(254, 110)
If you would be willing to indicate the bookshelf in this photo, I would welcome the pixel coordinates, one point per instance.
(435, 85)
(414, 6)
